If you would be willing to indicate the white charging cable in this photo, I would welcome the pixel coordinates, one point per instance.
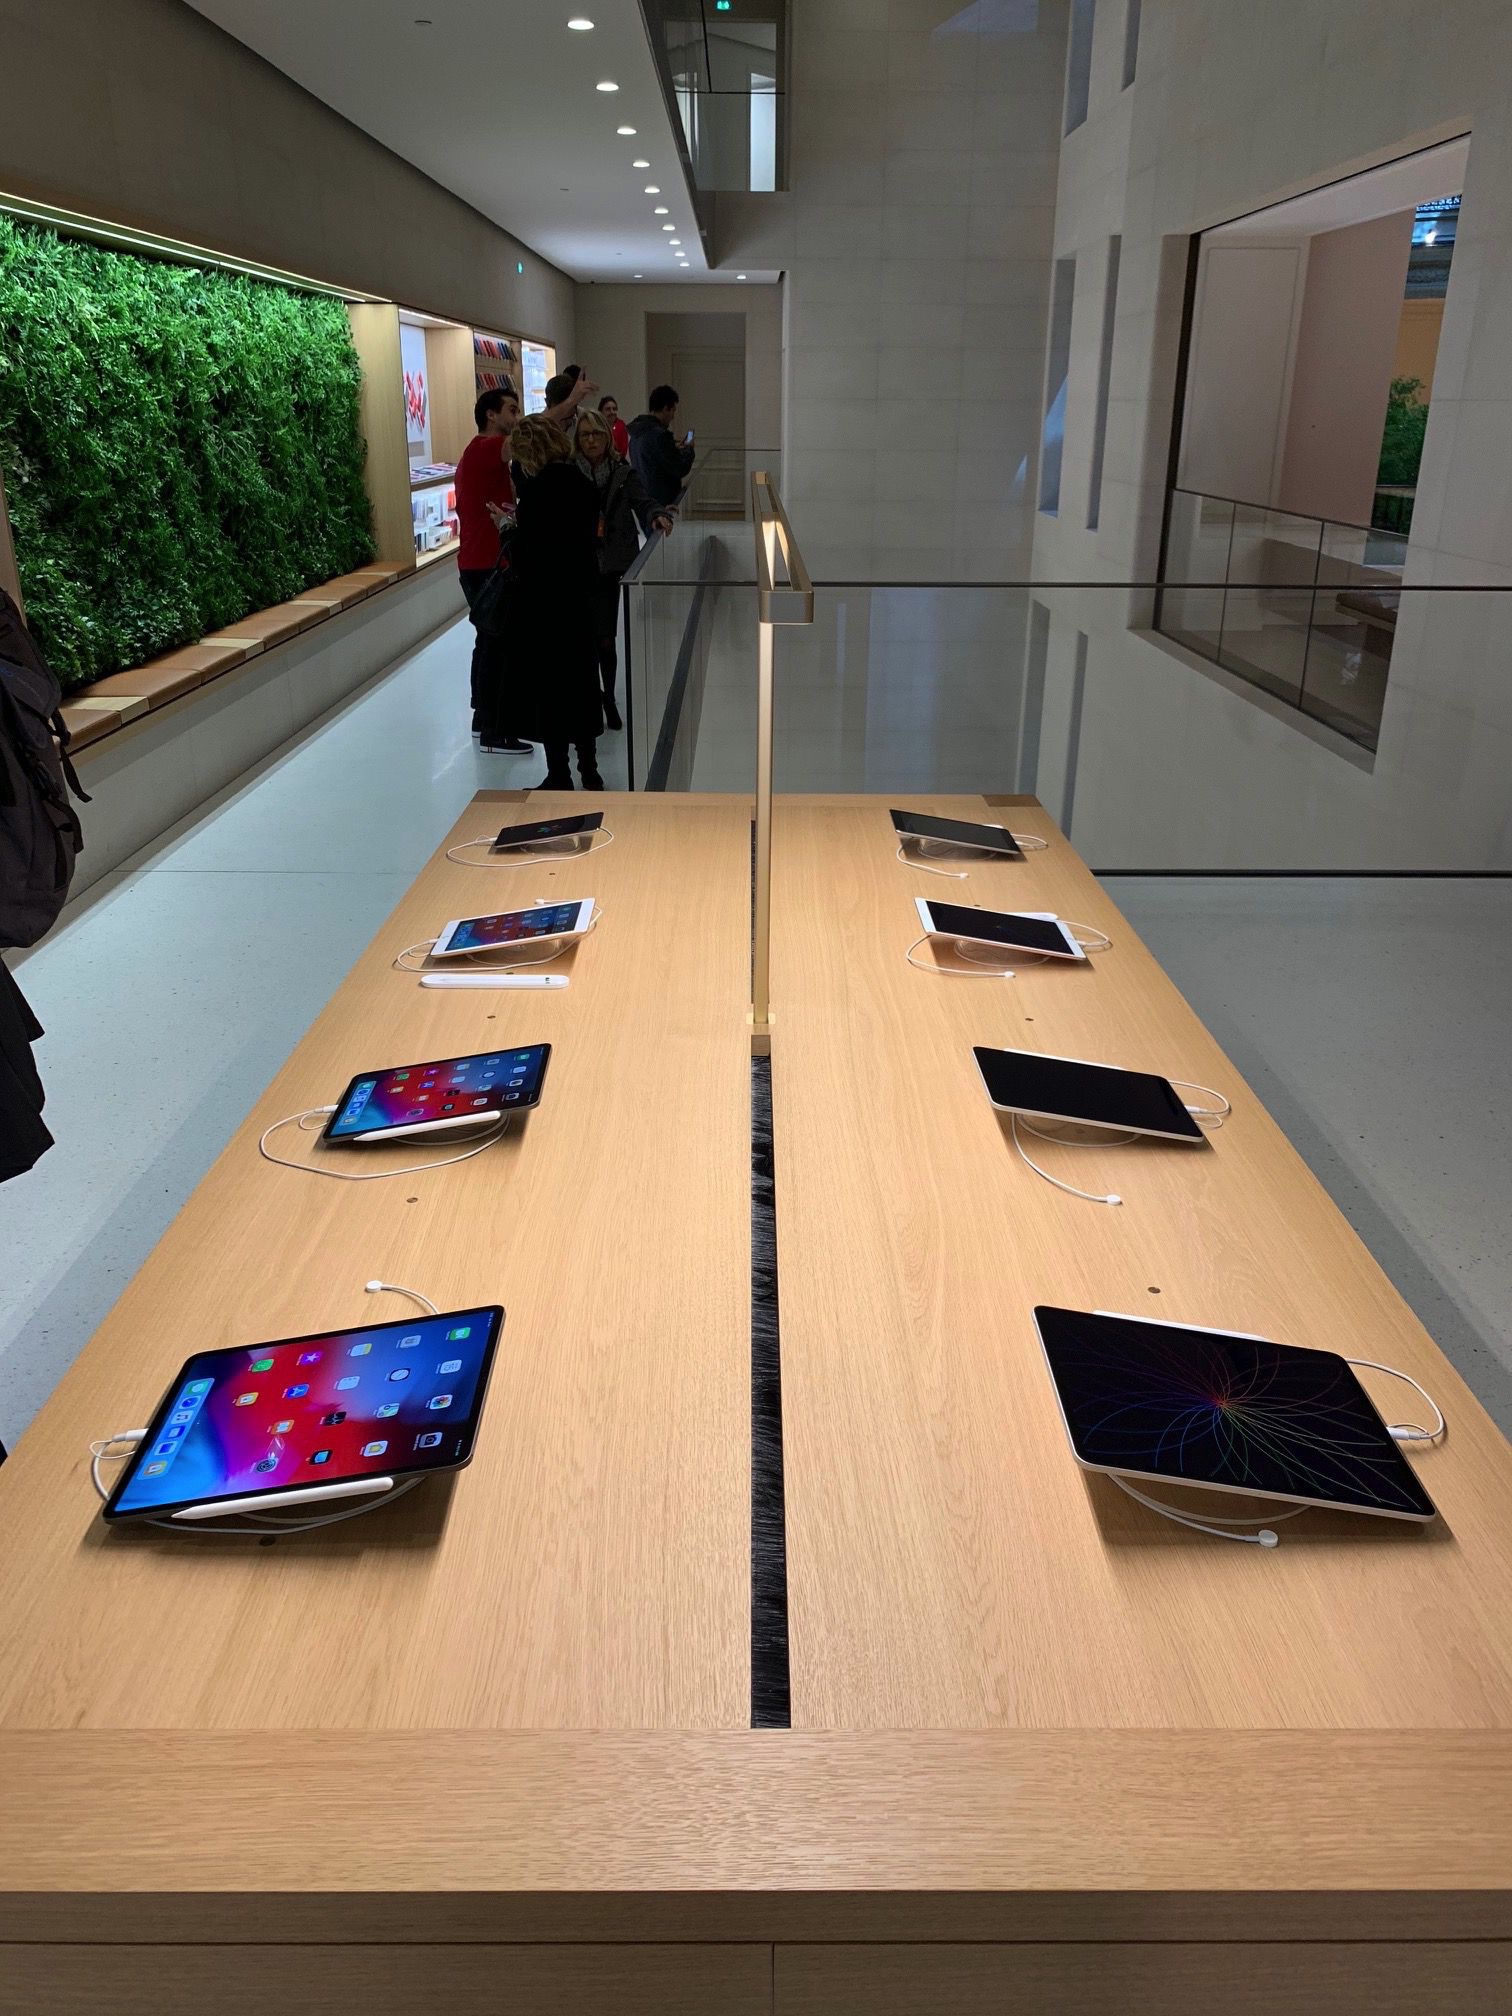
(1088, 1196)
(529, 856)
(983, 972)
(1216, 1525)
(1407, 1431)
(1027, 843)
(1216, 1115)
(116, 1448)
(498, 1129)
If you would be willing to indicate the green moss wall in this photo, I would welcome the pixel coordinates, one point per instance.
(180, 447)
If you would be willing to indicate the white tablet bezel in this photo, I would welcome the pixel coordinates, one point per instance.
(1196, 1484)
(932, 930)
(577, 929)
(1080, 1119)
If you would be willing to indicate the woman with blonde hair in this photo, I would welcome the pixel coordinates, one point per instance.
(554, 563)
(622, 503)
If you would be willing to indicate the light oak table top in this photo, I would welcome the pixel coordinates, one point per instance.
(590, 1568)
(949, 1564)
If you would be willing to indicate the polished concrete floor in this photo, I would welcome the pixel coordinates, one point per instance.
(1370, 1015)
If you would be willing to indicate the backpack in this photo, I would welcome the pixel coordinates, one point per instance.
(39, 829)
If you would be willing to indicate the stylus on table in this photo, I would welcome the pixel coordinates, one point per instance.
(493, 979)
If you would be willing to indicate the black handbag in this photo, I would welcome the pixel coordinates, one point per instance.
(493, 604)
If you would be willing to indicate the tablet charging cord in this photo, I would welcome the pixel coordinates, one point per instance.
(1027, 843)
(1215, 1115)
(304, 1122)
(1215, 1525)
(1099, 942)
(268, 1525)
(528, 857)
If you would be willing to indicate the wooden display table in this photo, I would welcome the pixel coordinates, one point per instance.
(489, 1748)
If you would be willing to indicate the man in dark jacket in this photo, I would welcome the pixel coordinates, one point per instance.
(660, 460)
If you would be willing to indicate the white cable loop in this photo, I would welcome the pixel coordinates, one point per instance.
(958, 972)
(911, 861)
(1213, 1526)
(529, 855)
(1408, 1431)
(301, 1120)
(1103, 942)
(1089, 1196)
(1217, 1114)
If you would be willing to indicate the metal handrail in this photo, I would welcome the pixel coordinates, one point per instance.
(792, 603)
(776, 603)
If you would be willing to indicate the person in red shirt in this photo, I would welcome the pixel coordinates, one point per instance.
(619, 432)
(485, 505)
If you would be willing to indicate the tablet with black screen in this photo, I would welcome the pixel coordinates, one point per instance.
(1170, 1404)
(958, 833)
(1091, 1095)
(547, 829)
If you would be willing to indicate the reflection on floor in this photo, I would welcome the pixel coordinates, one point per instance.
(1369, 1015)
(176, 987)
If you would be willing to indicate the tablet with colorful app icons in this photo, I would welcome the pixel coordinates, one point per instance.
(385, 1400)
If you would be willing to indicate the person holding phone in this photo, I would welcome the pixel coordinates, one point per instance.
(659, 459)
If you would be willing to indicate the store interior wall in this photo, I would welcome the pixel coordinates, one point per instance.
(1246, 315)
(144, 112)
(915, 237)
(1232, 109)
(614, 343)
(1342, 366)
(1418, 334)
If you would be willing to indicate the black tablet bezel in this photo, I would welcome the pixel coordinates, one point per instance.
(1414, 1486)
(494, 1311)
(1177, 1135)
(571, 827)
(484, 1117)
(958, 832)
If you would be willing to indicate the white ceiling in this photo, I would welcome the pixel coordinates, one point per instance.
(496, 101)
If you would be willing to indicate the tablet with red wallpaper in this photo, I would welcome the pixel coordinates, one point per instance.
(384, 1400)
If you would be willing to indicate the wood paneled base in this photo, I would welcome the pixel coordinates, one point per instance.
(492, 1836)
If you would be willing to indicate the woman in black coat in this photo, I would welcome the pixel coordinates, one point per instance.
(623, 505)
(553, 558)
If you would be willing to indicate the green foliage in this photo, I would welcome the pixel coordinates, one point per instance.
(1406, 424)
(180, 446)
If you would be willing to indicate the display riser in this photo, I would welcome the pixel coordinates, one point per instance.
(157, 771)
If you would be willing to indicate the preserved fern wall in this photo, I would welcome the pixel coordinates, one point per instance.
(180, 446)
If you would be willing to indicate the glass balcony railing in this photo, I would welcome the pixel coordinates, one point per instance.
(1305, 608)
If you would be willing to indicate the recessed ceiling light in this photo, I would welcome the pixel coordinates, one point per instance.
(640, 164)
(674, 241)
(606, 84)
(740, 276)
(661, 210)
(640, 276)
(653, 188)
(624, 129)
(580, 22)
(669, 227)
